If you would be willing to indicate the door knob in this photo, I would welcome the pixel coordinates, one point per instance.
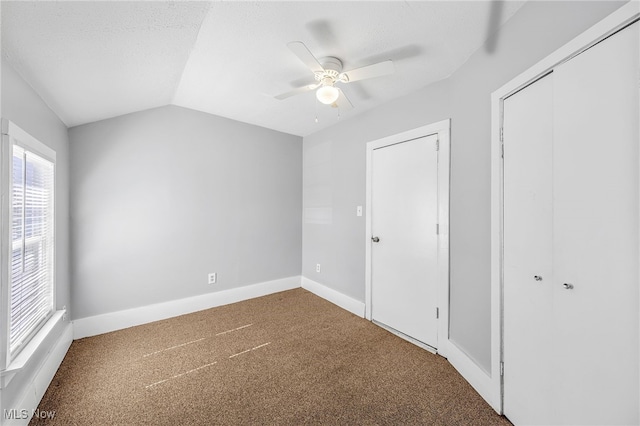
(375, 239)
(537, 277)
(568, 286)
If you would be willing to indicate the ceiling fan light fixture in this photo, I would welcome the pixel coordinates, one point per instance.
(327, 94)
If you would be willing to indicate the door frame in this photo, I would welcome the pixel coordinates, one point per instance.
(442, 130)
(624, 16)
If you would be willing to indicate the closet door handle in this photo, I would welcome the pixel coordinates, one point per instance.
(537, 277)
(375, 239)
(568, 286)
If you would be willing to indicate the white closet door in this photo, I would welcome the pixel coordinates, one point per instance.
(571, 217)
(528, 316)
(596, 234)
(404, 217)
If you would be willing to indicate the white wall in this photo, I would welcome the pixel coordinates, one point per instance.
(162, 197)
(334, 167)
(23, 106)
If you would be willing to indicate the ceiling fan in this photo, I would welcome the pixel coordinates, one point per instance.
(328, 73)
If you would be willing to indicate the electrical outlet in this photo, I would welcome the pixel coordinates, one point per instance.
(213, 277)
(317, 267)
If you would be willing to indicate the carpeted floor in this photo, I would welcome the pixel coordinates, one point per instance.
(287, 358)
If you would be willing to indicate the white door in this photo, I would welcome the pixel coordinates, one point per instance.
(571, 218)
(596, 233)
(528, 316)
(404, 217)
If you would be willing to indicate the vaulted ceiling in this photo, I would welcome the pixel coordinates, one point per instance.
(95, 60)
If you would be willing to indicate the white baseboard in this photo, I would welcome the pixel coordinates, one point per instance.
(472, 373)
(99, 324)
(34, 391)
(345, 302)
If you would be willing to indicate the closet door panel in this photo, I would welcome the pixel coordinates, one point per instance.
(528, 254)
(595, 234)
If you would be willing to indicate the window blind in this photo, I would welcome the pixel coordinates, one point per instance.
(32, 207)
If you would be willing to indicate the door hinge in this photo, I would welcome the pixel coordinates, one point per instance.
(502, 368)
(501, 134)
(502, 150)
(437, 229)
(437, 144)
(437, 313)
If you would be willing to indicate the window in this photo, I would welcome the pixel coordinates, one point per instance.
(28, 245)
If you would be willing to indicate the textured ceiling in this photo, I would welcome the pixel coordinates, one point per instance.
(94, 60)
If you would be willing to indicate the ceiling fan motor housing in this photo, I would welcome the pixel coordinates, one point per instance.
(332, 71)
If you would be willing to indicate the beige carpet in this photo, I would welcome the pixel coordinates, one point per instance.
(287, 358)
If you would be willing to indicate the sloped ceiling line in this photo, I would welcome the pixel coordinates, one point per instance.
(184, 65)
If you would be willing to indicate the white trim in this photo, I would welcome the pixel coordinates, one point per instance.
(347, 303)
(444, 166)
(25, 140)
(24, 357)
(479, 379)
(612, 23)
(496, 256)
(637, 13)
(112, 321)
(609, 25)
(12, 134)
(367, 236)
(442, 129)
(5, 244)
(33, 392)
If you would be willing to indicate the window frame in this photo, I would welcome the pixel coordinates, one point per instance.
(12, 135)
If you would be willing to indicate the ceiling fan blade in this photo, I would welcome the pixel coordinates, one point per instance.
(342, 102)
(299, 90)
(370, 71)
(305, 55)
